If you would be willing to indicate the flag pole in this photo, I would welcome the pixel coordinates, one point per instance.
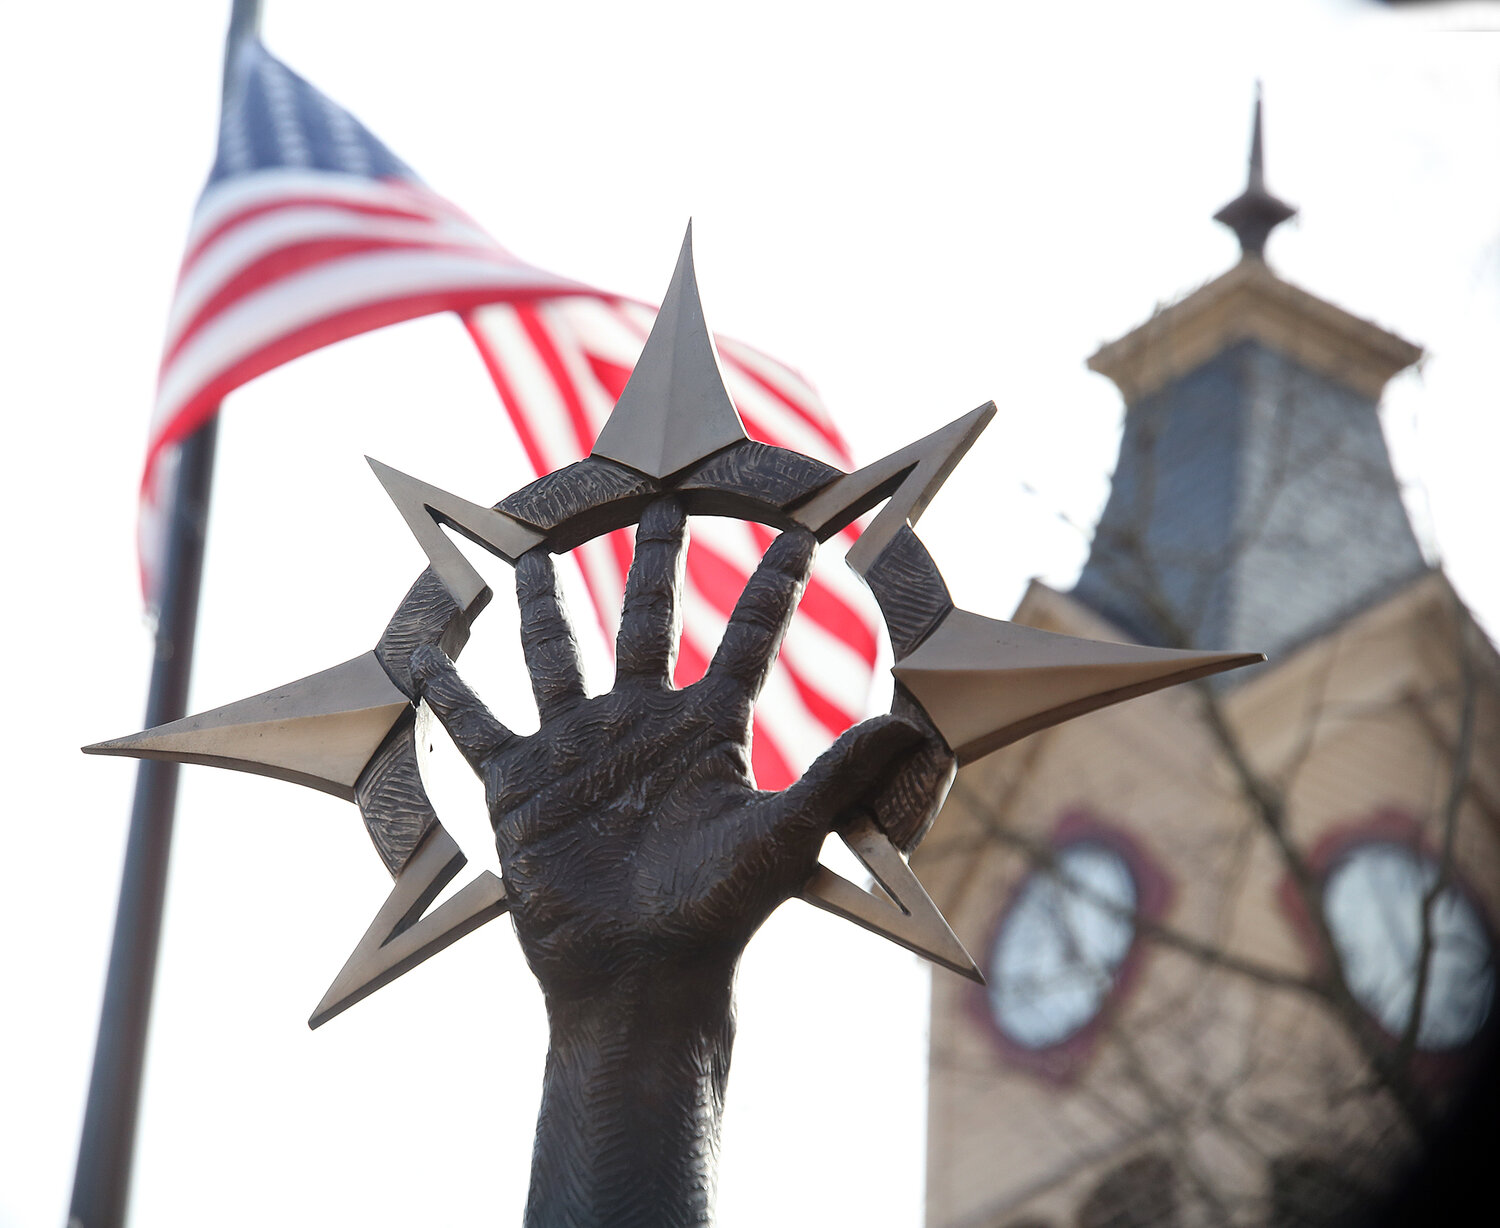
(101, 1181)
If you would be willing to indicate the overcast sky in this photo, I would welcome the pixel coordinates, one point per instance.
(921, 213)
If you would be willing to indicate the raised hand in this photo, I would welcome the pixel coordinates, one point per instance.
(628, 827)
(639, 858)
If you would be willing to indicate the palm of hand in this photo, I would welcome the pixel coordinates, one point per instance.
(629, 829)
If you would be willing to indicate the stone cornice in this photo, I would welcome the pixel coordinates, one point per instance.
(1250, 303)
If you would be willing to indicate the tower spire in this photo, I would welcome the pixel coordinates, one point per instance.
(1254, 213)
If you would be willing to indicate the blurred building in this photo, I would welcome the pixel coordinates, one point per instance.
(1238, 937)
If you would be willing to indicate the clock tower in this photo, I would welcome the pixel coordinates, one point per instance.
(1238, 940)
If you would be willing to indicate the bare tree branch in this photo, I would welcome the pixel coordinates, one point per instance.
(1458, 783)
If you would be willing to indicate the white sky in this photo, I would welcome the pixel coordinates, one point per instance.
(921, 213)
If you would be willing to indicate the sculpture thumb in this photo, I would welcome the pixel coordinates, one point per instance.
(860, 762)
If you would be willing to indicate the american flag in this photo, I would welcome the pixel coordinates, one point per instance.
(310, 230)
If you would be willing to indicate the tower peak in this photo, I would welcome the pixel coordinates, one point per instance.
(1254, 213)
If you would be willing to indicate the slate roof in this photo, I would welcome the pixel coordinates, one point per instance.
(1253, 505)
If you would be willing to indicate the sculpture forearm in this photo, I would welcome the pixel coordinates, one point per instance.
(632, 1099)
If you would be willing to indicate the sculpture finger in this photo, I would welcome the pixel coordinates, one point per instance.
(547, 637)
(905, 808)
(906, 805)
(847, 773)
(472, 726)
(646, 647)
(764, 611)
(772, 845)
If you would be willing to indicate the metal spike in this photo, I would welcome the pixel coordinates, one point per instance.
(425, 507)
(909, 477)
(675, 410)
(400, 937)
(986, 683)
(1257, 176)
(320, 731)
(913, 921)
(1255, 213)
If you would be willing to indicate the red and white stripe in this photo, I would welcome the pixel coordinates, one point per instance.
(283, 262)
(560, 365)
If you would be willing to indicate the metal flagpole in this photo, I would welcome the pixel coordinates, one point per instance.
(101, 1182)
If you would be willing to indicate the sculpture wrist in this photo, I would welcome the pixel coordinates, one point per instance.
(632, 1101)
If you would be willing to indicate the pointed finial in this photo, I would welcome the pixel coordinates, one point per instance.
(1257, 148)
(1254, 213)
(675, 410)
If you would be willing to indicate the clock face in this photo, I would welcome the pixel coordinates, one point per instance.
(1063, 939)
(1372, 900)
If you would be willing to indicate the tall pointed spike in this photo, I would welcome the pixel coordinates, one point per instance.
(401, 937)
(425, 507)
(1255, 213)
(913, 921)
(986, 683)
(1257, 177)
(320, 731)
(910, 477)
(675, 410)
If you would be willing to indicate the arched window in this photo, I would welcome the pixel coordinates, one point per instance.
(1372, 900)
(1060, 944)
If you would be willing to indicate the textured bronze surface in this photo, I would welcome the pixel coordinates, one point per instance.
(569, 494)
(392, 799)
(751, 471)
(909, 589)
(639, 858)
(427, 615)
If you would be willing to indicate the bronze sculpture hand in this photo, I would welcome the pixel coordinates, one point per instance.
(639, 859)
